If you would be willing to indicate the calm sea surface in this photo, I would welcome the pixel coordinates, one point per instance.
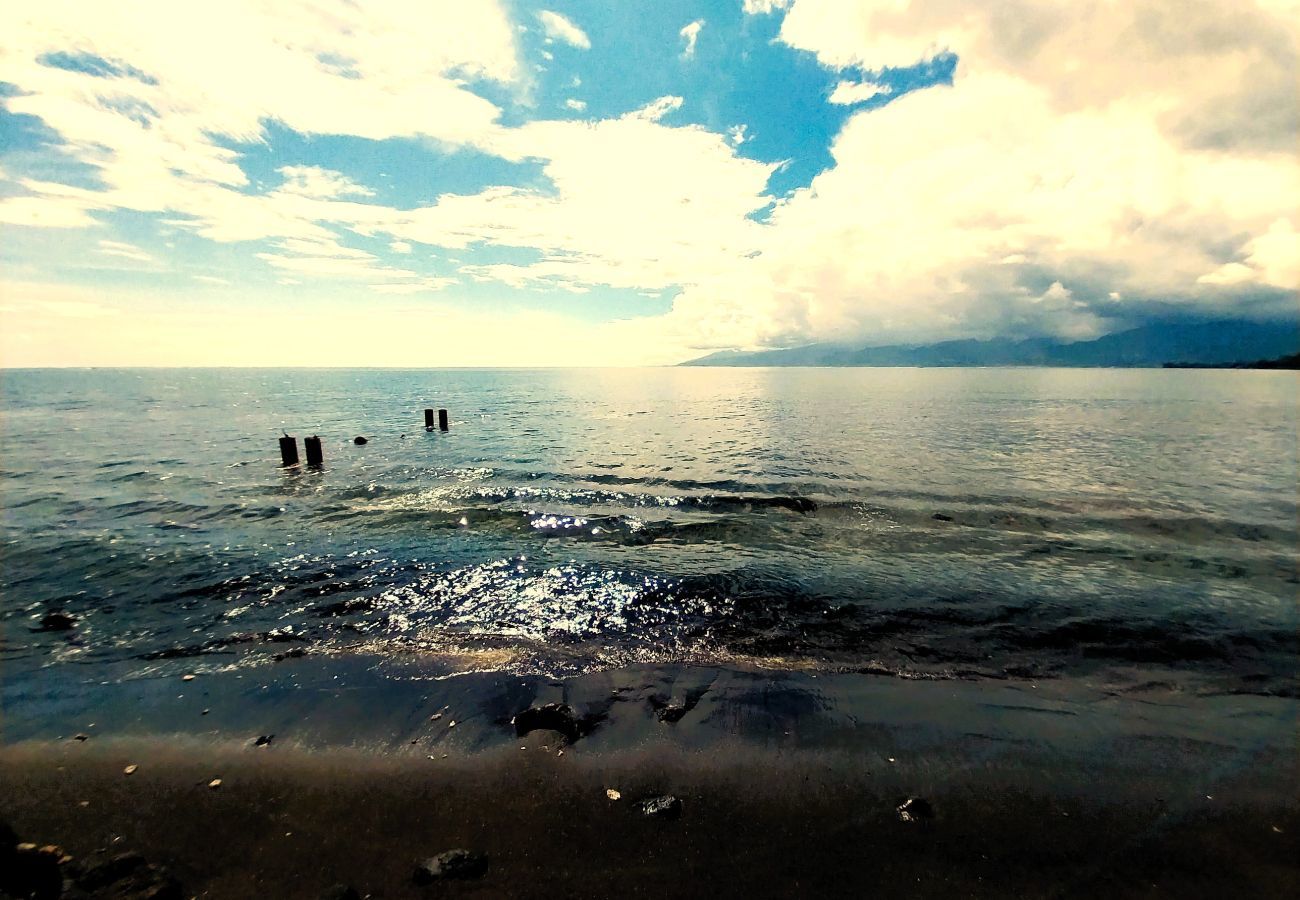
(938, 523)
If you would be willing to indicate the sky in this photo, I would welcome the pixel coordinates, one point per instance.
(588, 182)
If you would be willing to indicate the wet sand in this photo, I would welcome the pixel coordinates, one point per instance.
(789, 781)
(288, 824)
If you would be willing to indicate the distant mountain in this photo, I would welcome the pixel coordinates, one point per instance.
(1200, 343)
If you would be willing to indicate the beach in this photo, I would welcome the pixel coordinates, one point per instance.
(790, 784)
(989, 633)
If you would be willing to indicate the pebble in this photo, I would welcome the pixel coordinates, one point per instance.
(914, 809)
(214, 783)
(451, 864)
(613, 794)
(187, 677)
(665, 807)
(130, 770)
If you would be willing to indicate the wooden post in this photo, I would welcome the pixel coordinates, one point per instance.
(442, 420)
(428, 419)
(288, 450)
(314, 455)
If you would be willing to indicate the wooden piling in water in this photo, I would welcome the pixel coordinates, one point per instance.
(288, 451)
(442, 420)
(314, 455)
(428, 419)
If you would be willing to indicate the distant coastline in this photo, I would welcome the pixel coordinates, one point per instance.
(1283, 362)
(1213, 344)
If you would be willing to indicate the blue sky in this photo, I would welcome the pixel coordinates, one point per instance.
(606, 183)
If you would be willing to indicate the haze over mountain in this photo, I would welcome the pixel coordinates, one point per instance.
(1202, 343)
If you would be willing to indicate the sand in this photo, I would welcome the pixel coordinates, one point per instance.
(789, 785)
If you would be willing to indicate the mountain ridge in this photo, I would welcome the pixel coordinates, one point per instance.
(1211, 343)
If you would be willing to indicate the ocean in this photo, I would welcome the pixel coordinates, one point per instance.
(1119, 527)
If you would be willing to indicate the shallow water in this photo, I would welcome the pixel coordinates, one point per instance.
(938, 523)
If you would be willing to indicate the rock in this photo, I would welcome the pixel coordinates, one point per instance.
(128, 876)
(187, 677)
(57, 621)
(612, 794)
(110, 871)
(940, 517)
(555, 717)
(81, 737)
(214, 783)
(340, 892)
(263, 740)
(130, 770)
(672, 711)
(914, 809)
(359, 441)
(452, 864)
(33, 872)
(665, 807)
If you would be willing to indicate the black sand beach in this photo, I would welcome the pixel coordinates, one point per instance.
(790, 784)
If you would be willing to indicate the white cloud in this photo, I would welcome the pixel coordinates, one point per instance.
(634, 204)
(849, 93)
(1027, 197)
(690, 34)
(400, 247)
(188, 82)
(559, 28)
(320, 184)
(762, 7)
(212, 279)
(574, 104)
(736, 134)
(657, 109)
(124, 250)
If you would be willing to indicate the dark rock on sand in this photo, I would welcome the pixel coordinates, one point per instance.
(129, 876)
(340, 892)
(359, 440)
(940, 517)
(915, 809)
(556, 717)
(452, 864)
(666, 807)
(57, 621)
(263, 740)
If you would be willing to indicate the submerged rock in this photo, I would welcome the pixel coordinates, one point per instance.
(672, 711)
(555, 717)
(940, 517)
(57, 621)
(451, 864)
(359, 440)
(665, 807)
(915, 809)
